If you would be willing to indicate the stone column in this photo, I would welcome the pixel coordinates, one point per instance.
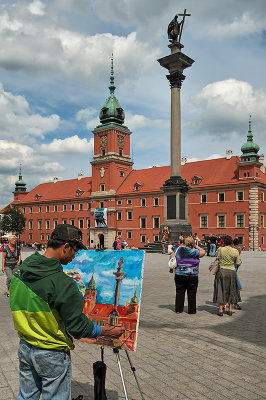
(175, 132)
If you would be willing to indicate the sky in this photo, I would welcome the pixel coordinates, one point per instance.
(55, 69)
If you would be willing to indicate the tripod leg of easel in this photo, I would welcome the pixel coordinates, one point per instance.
(116, 351)
(133, 369)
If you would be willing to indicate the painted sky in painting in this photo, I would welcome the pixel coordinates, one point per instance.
(104, 263)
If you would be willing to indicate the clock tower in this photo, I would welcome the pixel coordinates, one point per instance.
(111, 163)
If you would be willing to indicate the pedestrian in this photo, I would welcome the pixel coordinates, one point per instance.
(47, 310)
(225, 283)
(213, 243)
(11, 258)
(163, 244)
(119, 243)
(115, 243)
(238, 247)
(186, 274)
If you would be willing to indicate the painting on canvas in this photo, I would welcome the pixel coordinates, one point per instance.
(111, 283)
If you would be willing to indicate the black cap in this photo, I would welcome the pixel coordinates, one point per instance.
(70, 234)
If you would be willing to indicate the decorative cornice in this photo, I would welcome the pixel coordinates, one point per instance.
(176, 79)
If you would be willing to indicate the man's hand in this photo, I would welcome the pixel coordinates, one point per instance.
(113, 331)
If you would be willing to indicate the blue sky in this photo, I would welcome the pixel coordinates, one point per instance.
(103, 264)
(54, 77)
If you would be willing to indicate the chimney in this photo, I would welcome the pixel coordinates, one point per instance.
(80, 176)
(229, 154)
(183, 160)
(55, 179)
(261, 160)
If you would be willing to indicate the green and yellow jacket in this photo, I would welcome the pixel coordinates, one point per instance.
(46, 305)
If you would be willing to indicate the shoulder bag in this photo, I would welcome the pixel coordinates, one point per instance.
(215, 265)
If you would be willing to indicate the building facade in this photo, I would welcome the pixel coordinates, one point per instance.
(226, 195)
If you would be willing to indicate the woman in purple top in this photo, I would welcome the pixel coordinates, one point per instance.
(186, 274)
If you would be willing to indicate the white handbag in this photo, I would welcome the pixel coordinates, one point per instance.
(172, 261)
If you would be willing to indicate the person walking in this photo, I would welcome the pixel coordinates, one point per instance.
(213, 243)
(239, 249)
(11, 258)
(47, 310)
(186, 274)
(225, 283)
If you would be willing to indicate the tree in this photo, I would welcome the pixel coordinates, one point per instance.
(13, 220)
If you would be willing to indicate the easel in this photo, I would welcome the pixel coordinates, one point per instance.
(133, 369)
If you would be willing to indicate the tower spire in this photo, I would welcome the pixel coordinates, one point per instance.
(20, 184)
(112, 77)
(250, 149)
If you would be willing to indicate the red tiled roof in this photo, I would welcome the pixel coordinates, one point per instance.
(103, 310)
(60, 190)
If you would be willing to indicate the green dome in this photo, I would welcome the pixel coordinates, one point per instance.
(250, 149)
(20, 184)
(134, 300)
(112, 110)
(91, 284)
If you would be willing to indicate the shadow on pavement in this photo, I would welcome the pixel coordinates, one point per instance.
(87, 391)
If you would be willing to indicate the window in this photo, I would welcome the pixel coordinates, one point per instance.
(240, 221)
(39, 224)
(120, 152)
(129, 234)
(30, 236)
(81, 224)
(103, 152)
(40, 209)
(47, 208)
(47, 224)
(156, 238)
(55, 208)
(221, 221)
(80, 206)
(119, 233)
(204, 221)
(88, 223)
(143, 222)
(101, 203)
(89, 206)
(42, 236)
(156, 222)
(30, 210)
(48, 236)
(262, 239)
(129, 215)
(119, 202)
(143, 238)
(23, 210)
(240, 238)
(156, 201)
(30, 224)
(122, 173)
(72, 207)
(240, 196)
(119, 215)
(204, 198)
(72, 222)
(64, 207)
(143, 202)
(102, 187)
(262, 220)
(55, 223)
(262, 195)
(129, 201)
(65, 221)
(221, 197)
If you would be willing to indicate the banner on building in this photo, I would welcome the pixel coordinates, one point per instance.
(100, 217)
(111, 283)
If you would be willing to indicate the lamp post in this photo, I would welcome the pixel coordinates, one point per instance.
(253, 228)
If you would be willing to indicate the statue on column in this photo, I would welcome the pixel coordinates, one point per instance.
(174, 30)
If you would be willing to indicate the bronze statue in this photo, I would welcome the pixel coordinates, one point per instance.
(174, 30)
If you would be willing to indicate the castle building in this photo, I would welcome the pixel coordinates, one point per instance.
(226, 195)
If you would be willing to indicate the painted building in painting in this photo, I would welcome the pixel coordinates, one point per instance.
(226, 195)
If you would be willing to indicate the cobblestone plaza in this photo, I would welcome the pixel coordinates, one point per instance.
(179, 356)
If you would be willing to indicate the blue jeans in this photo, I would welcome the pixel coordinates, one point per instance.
(212, 249)
(46, 372)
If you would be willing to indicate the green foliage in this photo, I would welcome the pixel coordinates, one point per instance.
(13, 220)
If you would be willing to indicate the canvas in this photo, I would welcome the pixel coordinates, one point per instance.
(111, 283)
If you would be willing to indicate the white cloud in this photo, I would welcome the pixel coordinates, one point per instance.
(134, 121)
(68, 146)
(107, 273)
(17, 121)
(131, 282)
(85, 114)
(36, 7)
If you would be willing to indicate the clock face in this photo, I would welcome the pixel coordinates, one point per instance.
(120, 141)
(103, 141)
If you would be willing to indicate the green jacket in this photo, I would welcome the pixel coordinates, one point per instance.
(46, 305)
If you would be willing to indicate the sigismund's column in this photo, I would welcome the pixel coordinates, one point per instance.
(175, 188)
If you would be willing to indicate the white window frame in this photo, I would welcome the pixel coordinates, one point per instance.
(129, 235)
(239, 191)
(72, 221)
(101, 204)
(40, 209)
(48, 209)
(201, 225)
(221, 201)
(218, 225)
(55, 223)
(203, 194)
(56, 208)
(119, 202)
(64, 207)
(141, 237)
(30, 224)
(129, 201)
(72, 206)
(119, 215)
(80, 206)
(64, 221)
(156, 238)
(42, 236)
(262, 220)
(237, 215)
(81, 222)
(143, 199)
(30, 236)
(47, 224)
(129, 219)
(153, 220)
(39, 223)
(154, 201)
(143, 218)
(262, 239)
(262, 195)
(102, 187)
